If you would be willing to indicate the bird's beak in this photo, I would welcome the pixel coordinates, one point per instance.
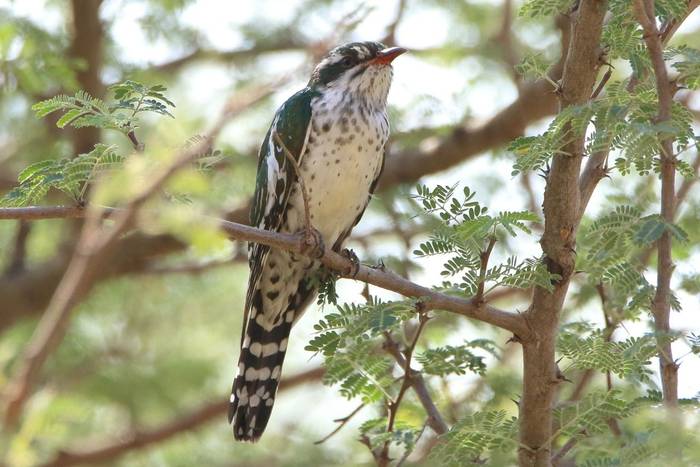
(386, 56)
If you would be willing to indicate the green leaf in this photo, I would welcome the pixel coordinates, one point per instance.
(70, 116)
(34, 169)
(474, 436)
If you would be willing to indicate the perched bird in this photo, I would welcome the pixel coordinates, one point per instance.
(335, 130)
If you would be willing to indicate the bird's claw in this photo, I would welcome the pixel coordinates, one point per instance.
(355, 266)
(313, 244)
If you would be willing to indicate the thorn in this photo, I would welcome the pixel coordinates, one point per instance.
(560, 375)
(514, 338)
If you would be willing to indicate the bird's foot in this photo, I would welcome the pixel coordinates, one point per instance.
(355, 266)
(313, 244)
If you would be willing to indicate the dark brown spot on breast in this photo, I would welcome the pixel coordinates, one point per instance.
(272, 294)
(326, 127)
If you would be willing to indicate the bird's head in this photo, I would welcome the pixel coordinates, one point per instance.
(360, 68)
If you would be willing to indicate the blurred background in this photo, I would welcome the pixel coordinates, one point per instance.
(144, 371)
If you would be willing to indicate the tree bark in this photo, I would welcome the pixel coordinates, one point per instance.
(562, 216)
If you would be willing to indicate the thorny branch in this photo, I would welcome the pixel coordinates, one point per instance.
(661, 305)
(381, 277)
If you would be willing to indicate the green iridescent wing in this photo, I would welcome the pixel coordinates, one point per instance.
(276, 175)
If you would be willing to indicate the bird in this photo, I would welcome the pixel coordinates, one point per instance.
(326, 141)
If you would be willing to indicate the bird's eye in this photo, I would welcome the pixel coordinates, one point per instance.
(347, 62)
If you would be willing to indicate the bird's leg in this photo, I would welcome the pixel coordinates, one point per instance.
(313, 241)
(355, 267)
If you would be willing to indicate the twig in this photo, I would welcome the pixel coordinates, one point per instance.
(603, 81)
(342, 422)
(383, 457)
(483, 266)
(435, 420)
(140, 439)
(564, 450)
(390, 37)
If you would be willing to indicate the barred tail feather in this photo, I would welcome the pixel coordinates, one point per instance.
(259, 370)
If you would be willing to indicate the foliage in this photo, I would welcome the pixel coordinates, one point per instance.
(403, 435)
(539, 8)
(464, 231)
(71, 176)
(442, 361)
(590, 415)
(610, 245)
(630, 356)
(83, 110)
(475, 436)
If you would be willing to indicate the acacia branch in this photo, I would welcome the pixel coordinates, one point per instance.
(381, 277)
(661, 305)
(140, 439)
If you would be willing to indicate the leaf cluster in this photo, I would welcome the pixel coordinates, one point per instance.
(476, 435)
(83, 110)
(70, 176)
(463, 232)
(609, 251)
(623, 358)
(353, 356)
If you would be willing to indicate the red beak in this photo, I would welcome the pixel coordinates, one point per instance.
(386, 56)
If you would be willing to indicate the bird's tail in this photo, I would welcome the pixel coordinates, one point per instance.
(259, 369)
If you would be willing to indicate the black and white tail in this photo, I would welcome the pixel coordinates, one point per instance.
(259, 370)
(260, 363)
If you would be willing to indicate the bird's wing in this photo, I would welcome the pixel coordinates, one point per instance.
(276, 176)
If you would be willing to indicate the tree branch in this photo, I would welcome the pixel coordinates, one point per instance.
(430, 299)
(140, 439)
(435, 420)
(661, 305)
(562, 215)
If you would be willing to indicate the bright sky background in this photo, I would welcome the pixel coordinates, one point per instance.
(208, 86)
